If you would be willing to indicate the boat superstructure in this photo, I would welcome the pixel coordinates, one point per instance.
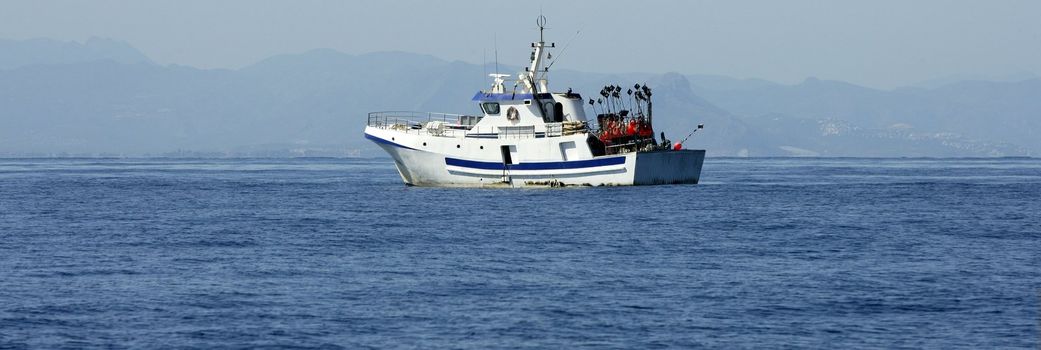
(529, 136)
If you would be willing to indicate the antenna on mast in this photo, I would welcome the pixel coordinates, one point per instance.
(541, 21)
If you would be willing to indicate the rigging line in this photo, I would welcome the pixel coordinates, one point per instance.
(692, 133)
(561, 53)
(496, 41)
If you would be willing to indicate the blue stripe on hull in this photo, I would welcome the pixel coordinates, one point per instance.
(538, 135)
(379, 140)
(577, 164)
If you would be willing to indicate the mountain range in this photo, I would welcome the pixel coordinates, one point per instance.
(106, 98)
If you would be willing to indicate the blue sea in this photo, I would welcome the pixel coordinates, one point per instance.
(338, 253)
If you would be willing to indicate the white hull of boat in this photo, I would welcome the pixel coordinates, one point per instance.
(429, 167)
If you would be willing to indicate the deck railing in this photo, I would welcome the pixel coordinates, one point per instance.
(459, 125)
(453, 125)
(517, 132)
(554, 129)
(384, 119)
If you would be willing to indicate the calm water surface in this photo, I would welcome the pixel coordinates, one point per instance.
(338, 253)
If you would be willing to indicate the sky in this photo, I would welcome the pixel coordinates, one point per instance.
(879, 43)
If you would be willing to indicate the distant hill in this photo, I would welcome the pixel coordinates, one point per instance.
(19, 53)
(968, 118)
(106, 98)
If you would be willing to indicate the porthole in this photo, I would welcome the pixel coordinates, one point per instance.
(482, 147)
(457, 146)
(392, 139)
(424, 143)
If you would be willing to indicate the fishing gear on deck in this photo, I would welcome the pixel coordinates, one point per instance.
(630, 94)
(624, 121)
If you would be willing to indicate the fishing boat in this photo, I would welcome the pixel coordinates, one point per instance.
(527, 135)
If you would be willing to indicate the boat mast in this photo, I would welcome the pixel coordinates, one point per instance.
(531, 81)
(538, 57)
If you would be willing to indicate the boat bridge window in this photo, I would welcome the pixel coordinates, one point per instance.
(490, 108)
(554, 112)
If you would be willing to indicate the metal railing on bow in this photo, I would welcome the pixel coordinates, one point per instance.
(439, 124)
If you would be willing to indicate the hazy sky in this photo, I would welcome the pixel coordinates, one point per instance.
(875, 43)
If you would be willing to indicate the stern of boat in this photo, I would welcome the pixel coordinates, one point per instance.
(668, 167)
